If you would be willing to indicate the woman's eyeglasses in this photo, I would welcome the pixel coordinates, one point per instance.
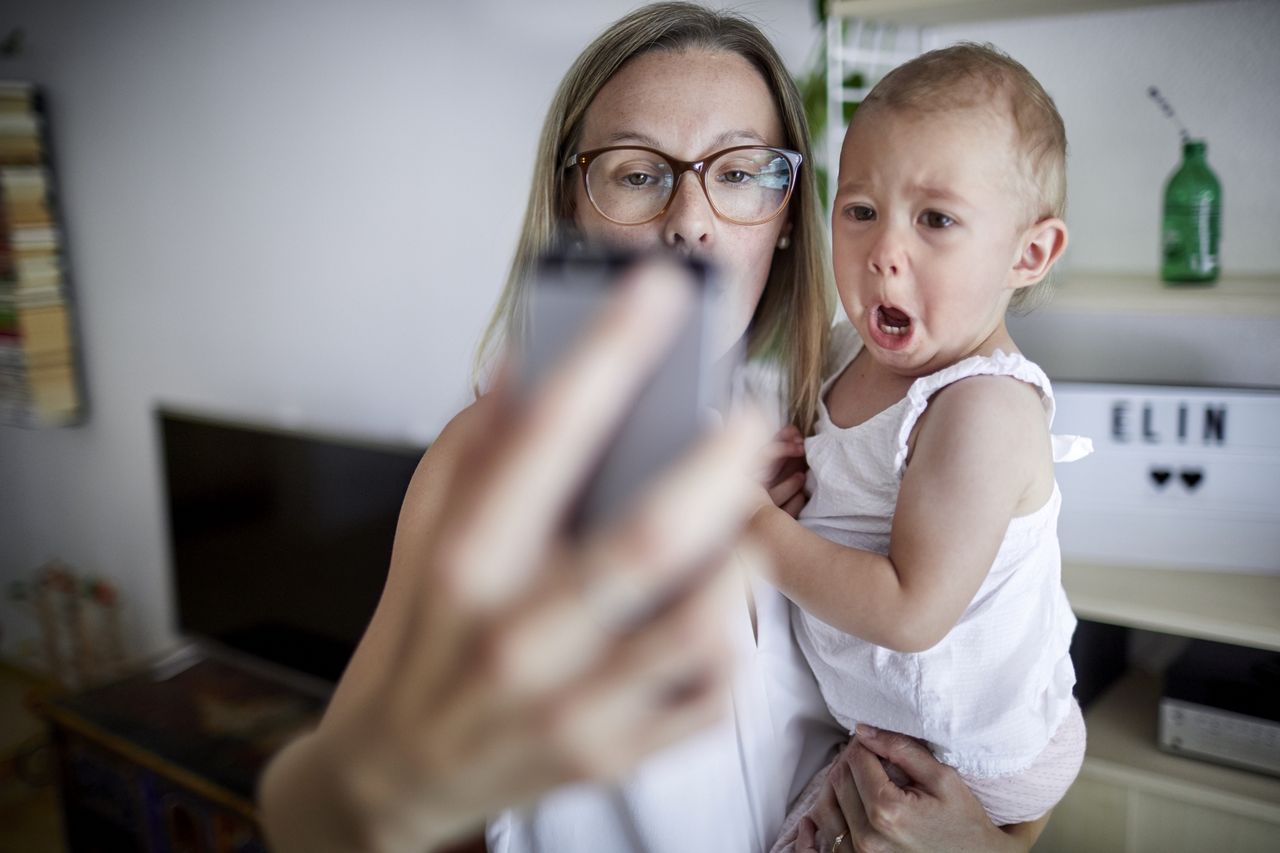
(631, 185)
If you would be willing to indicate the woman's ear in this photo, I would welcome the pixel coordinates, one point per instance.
(1042, 244)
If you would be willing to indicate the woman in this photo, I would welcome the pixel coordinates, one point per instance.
(489, 676)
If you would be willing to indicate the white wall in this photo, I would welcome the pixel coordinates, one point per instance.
(1219, 65)
(272, 211)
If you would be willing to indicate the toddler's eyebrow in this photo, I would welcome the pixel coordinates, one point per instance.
(932, 192)
(936, 192)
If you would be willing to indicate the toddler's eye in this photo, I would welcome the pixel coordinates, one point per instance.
(934, 219)
(861, 212)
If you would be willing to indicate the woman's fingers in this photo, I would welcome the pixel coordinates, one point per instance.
(545, 455)
(564, 635)
(906, 754)
(848, 795)
(656, 685)
(806, 837)
(691, 513)
(826, 814)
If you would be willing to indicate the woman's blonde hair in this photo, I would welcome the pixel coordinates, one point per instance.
(792, 320)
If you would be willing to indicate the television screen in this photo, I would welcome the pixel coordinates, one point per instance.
(279, 541)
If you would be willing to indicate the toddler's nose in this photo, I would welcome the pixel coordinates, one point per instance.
(885, 257)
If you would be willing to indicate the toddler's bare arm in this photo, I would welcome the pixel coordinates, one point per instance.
(980, 456)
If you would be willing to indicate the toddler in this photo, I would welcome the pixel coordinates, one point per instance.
(926, 561)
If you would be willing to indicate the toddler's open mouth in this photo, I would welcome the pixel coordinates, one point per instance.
(891, 321)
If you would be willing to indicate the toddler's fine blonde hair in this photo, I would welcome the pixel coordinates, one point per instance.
(972, 75)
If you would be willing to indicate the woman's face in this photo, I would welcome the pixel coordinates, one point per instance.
(689, 104)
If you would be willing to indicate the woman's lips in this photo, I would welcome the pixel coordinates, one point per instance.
(890, 328)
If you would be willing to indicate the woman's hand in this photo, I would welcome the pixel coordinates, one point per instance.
(927, 808)
(506, 658)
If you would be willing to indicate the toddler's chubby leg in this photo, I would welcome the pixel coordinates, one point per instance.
(1032, 793)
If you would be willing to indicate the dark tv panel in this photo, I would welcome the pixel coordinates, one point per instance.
(279, 540)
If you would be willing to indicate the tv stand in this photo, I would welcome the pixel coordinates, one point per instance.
(167, 759)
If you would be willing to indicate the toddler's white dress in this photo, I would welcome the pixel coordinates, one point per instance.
(992, 695)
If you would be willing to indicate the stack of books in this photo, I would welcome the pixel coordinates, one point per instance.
(38, 376)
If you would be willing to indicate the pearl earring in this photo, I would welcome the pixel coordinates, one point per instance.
(784, 242)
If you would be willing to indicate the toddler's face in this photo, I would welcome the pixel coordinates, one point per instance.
(926, 230)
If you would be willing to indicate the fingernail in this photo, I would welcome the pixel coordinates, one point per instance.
(864, 731)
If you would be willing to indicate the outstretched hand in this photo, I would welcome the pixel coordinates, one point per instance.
(505, 657)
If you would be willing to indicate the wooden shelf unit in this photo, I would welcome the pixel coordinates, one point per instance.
(1131, 293)
(1122, 750)
(1226, 607)
(939, 12)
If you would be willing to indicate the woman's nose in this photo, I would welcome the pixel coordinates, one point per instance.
(689, 221)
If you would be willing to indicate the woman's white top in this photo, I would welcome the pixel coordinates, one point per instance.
(990, 695)
(727, 788)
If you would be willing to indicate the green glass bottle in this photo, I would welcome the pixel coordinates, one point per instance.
(1192, 219)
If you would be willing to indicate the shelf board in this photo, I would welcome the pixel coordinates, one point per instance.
(1122, 750)
(1213, 605)
(936, 12)
(1103, 293)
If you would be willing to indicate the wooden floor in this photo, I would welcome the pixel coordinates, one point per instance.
(29, 820)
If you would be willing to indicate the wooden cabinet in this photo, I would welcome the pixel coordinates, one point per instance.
(166, 761)
(1131, 796)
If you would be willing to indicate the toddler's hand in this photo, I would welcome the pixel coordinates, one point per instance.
(784, 477)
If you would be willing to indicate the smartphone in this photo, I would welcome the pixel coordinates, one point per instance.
(674, 406)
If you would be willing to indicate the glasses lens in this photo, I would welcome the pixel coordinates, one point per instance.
(749, 185)
(629, 185)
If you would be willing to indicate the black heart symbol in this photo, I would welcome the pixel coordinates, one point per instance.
(1192, 477)
(1160, 475)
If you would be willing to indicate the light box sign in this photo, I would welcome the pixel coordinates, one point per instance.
(1180, 477)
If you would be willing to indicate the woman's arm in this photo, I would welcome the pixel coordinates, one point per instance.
(505, 659)
(979, 448)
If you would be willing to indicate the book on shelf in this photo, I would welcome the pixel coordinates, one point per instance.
(39, 382)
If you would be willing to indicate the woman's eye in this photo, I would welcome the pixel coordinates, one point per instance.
(861, 212)
(934, 219)
(637, 179)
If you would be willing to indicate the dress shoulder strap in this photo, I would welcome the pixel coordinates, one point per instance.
(999, 363)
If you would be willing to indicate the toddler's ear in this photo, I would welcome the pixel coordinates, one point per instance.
(1042, 244)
